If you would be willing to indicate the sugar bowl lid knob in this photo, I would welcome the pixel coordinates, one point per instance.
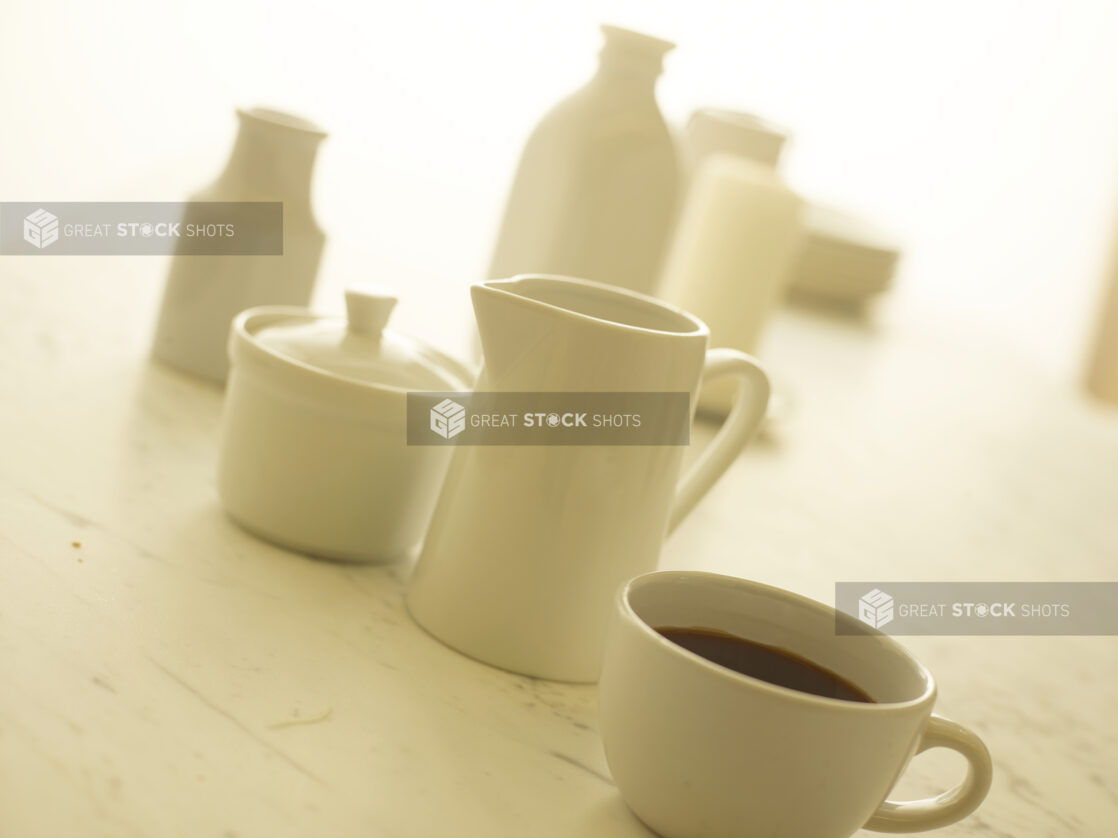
(368, 308)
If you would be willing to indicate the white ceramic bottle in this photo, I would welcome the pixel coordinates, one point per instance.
(272, 160)
(596, 187)
(738, 231)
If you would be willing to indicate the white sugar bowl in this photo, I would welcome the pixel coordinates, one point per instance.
(314, 453)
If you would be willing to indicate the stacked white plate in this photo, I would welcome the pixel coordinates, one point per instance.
(842, 257)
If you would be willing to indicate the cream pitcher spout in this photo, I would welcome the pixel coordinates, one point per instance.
(541, 332)
(510, 322)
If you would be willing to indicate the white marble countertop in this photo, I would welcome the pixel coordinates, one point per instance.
(163, 673)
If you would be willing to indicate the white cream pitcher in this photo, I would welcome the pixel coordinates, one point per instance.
(529, 543)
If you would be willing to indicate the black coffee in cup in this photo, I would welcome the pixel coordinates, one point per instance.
(767, 663)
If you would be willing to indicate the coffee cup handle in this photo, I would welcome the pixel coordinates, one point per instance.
(952, 805)
(750, 403)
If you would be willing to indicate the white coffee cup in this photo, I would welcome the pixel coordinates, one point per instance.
(697, 749)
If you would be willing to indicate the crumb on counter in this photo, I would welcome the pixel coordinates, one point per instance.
(75, 544)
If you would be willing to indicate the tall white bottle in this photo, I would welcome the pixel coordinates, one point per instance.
(596, 187)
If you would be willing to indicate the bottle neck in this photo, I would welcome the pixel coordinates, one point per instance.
(631, 60)
(635, 79)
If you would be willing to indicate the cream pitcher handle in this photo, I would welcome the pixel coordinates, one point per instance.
(750, 403)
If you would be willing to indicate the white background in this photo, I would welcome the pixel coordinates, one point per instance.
(984, 133)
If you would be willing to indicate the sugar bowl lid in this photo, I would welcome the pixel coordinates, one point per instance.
(360, 349)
